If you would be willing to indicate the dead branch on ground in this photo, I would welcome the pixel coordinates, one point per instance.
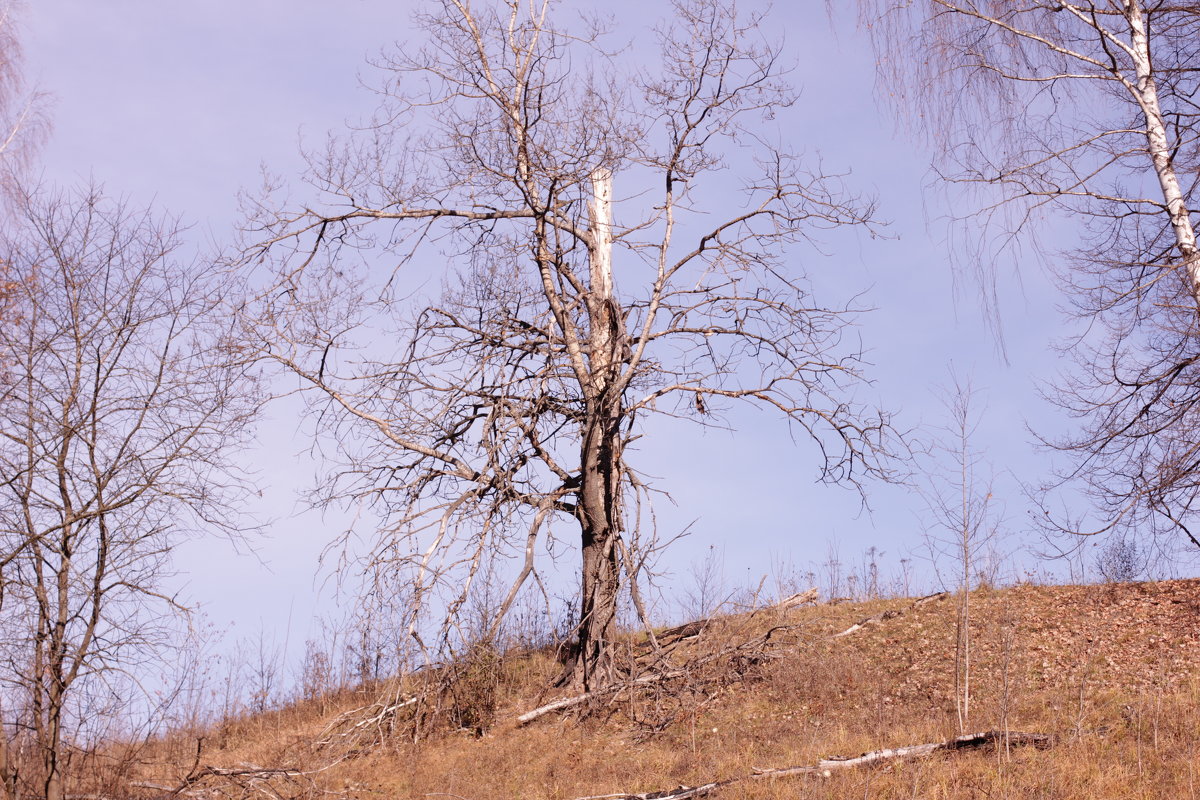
(245, 780)
(825, 766)
(696, 673)
(890, 614)
(372, 721)
(798, 599)
(970, 741)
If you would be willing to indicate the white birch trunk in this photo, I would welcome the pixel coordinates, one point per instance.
(1146, 94)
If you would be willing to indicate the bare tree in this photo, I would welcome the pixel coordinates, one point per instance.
(964, 516)
(1084, 111)
(485, 423)
(124, 403)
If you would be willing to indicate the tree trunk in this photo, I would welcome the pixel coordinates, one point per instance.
(1162, 155)
(599, 519)
(50, 753)
(8, 770)
(601, 464)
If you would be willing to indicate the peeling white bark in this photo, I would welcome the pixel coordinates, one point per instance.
(1145, 92)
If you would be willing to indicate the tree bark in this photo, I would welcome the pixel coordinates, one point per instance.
(601, 457)
(1161, 152)
(8, 770)
(599, 517)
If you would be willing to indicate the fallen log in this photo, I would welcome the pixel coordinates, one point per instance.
(890, 614)
(970, 741)
(680, 793)
(798, 599)
(826, 766)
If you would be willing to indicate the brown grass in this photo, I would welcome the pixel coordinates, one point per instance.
(1110, 671)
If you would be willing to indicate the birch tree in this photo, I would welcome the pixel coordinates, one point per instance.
(124, 402)
(22, 123)
(21, 127)
(1083, 113)
(602, 262)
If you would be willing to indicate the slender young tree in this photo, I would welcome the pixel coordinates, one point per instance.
(1083, 112)
(598, 272)
(124, 401)
(22, 126)
(965, 525)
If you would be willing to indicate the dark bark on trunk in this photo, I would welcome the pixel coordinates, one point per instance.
(50, 753)
(600, 521)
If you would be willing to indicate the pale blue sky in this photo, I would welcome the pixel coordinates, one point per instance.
(180, 103)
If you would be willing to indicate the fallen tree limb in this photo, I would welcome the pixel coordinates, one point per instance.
(826, 766)
(349, 724)
(569, 702)
(690, 630)
(798, 599)
(754, 645)
(681, 793)
(971, 741)
(890, 614)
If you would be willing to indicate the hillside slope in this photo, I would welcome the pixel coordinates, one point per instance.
(1111, 672)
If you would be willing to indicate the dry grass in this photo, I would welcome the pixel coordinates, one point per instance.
(1110, 671)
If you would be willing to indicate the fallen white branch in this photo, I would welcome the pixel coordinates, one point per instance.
(970, 741)
(343, 726)
(568, 702)
(752, 646)
(798, 599)
(681, 793)
(890, 614)
(826, 766)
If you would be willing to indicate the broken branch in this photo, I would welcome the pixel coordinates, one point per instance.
(890, 614)
(825, 766)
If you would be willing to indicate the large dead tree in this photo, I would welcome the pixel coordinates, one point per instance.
(123, 402)
(613, 246)
(1084, 112)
